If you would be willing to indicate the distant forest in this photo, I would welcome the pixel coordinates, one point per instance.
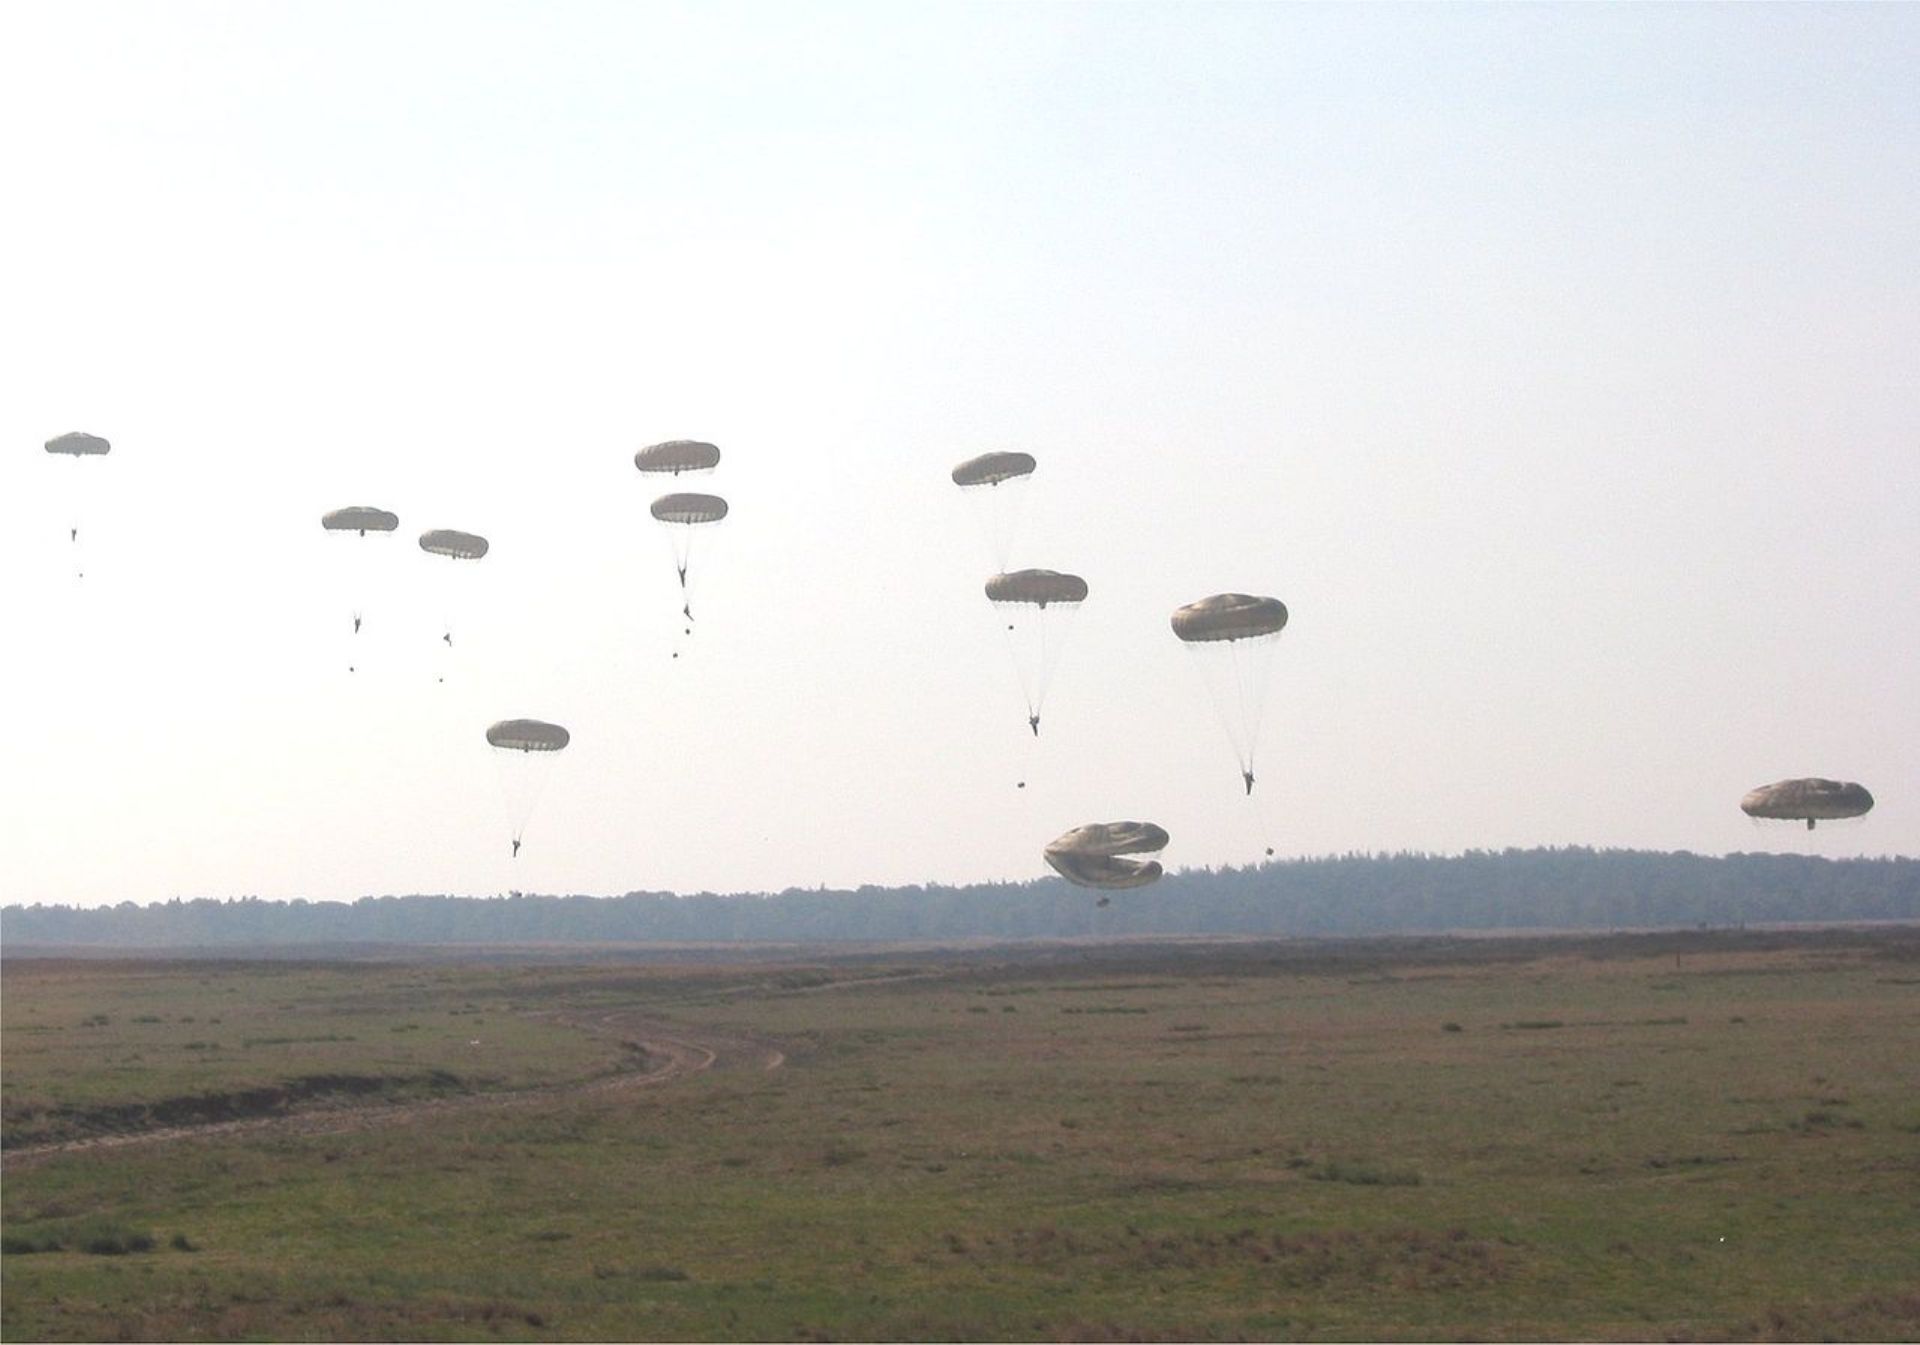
(1572, 888)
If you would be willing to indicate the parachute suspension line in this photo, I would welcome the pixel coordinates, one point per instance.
(1037, 701)
(1248, 691)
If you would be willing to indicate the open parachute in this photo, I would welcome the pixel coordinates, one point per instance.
(1808, 800)
(1039, 606)
(683, 513)
(677, 456)
(1096, 855)
(356, 521)
(77, 446)
(453, 545)
(361, 519)
(995, 485)
(1232, 637)
(523, 750)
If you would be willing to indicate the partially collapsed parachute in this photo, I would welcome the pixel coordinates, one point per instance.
(78, 444)
(361, 519)
(1232, 636)
(453, 545)
(996, 484)
(523, 752)
(677, 456)
(1039, 607)
(1810, 800)
(683, 513)
(1095, 855)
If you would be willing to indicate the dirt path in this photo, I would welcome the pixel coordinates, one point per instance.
(669, 1051)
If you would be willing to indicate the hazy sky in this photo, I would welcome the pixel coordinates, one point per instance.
(1555, 365)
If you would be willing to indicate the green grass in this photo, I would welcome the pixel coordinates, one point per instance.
(1251, 1140)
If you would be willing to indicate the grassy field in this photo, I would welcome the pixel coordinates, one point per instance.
(1681, 1137)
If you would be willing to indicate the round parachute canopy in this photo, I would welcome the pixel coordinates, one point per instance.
(458, 545)
(1039, 587)
(1229, 616)
(677, 456)
(360, 518)
(75, 444)
(990, 469)
(528, 735)
(689, 508)
(1095, 855)
(1809, 801)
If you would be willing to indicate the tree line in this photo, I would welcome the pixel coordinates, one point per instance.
(1345, 895)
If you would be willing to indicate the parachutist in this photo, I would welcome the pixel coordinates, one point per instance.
(1033, 722)
(448, 637)
(516, 848)
(356, 625)
(1248, 777)
(1021, 785)
(1269, 852)
(73, 534)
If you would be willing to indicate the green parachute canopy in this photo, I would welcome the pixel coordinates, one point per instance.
(528, 735)
(455, 545)
(1808, 800)
(360, 518)
(1095, 855)
(1039, 587)
(1229, 616)
(990, 469)
(77, 444)
(677, 456)
(689, 508)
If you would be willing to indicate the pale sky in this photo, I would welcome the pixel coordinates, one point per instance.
(1555, 365)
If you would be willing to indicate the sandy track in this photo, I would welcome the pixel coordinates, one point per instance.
(670, 1052)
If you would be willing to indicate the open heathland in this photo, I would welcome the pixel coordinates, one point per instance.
(1699, 1136)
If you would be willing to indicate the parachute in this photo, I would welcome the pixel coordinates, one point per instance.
(361, 519)
(996, 484)
(77, 445)
(1810, 800)
(1039, 607)
(357, 521)
(1095, 855)
(527, 735)
(523, 752)
(677, 456)
(682, 514)
(454, 546)
(1232, 636)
